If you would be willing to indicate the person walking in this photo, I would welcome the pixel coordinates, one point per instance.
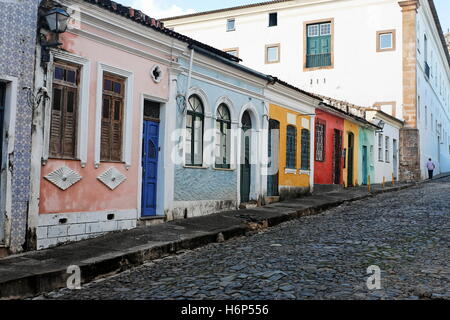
(430, 167)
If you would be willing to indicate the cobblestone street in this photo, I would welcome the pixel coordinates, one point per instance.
(405, 233)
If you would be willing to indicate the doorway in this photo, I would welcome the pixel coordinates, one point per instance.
(273, 166)
(246, 138)
(395, 159)
(365, 166)
(351, 147)
(150, 155)
(2, 194)
(337, 155)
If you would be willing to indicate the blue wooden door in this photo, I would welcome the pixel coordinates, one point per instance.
(150, 150)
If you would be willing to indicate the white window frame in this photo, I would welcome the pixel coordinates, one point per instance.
(387, 149)
(318, 30)
(128, 113)
(83, 105)
(232, 147)
(380, 147)
(325, 24)
(9, 127)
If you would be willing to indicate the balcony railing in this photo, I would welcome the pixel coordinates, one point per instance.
(427, 70)
(318, 60)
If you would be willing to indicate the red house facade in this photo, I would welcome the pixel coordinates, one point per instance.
(329, 162)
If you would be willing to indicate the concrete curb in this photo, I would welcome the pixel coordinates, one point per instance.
(240, 223)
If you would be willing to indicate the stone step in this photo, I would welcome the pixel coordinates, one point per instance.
(324, 188)
(248, 205)
(272, 199)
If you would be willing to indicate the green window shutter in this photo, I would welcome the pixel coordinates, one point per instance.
(313, 45)
(325, 46)
(318, 51)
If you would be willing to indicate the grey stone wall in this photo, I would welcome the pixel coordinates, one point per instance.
(204, 184)
(18, 25)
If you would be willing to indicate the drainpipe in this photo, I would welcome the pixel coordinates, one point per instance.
(191, 62)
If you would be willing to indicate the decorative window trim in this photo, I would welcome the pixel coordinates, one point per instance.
(380, 147)
(204, 99)
(233, 120)
(128, 113)
(394, 40)
(275, 45)
(83, 105)
(305, 43)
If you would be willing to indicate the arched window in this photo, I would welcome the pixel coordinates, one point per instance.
(223, 126)
(194, 136)
(291, 147)
(305, 150)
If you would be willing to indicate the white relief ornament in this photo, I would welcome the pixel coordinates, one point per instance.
(112, 178)
(63, 178)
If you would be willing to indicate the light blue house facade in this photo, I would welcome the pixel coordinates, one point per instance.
(366, 155)
(219, 142)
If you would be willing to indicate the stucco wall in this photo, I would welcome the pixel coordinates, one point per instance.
(90, 194)
(350, 127)
(353, 77)
(434, 94)
(323, 171)
(290, 183)
(366, 140)
(219, 189)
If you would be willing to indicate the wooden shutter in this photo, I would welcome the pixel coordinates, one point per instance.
(112, 118)
(64, 113)
(116, 130)
(69, 123)
(105, 140)
(56, 122)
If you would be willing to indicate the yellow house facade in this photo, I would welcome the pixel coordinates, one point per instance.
(290, 146)
(351, 149)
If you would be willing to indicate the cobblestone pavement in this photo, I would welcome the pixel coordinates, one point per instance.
(405, 233)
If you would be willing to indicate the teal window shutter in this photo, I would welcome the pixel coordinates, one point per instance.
(318, 51)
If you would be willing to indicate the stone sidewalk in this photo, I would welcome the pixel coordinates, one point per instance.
(32, 273)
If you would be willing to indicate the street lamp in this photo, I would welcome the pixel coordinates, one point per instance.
(381, 125)
(55, 20)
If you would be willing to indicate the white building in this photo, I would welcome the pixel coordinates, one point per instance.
(386, 157)
(388, 54)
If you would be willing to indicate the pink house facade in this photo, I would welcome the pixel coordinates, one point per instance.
(108, 75)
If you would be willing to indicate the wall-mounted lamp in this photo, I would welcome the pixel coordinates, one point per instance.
(56, 21)
(380, 124)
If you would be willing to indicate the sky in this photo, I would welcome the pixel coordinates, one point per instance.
(169, 8)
